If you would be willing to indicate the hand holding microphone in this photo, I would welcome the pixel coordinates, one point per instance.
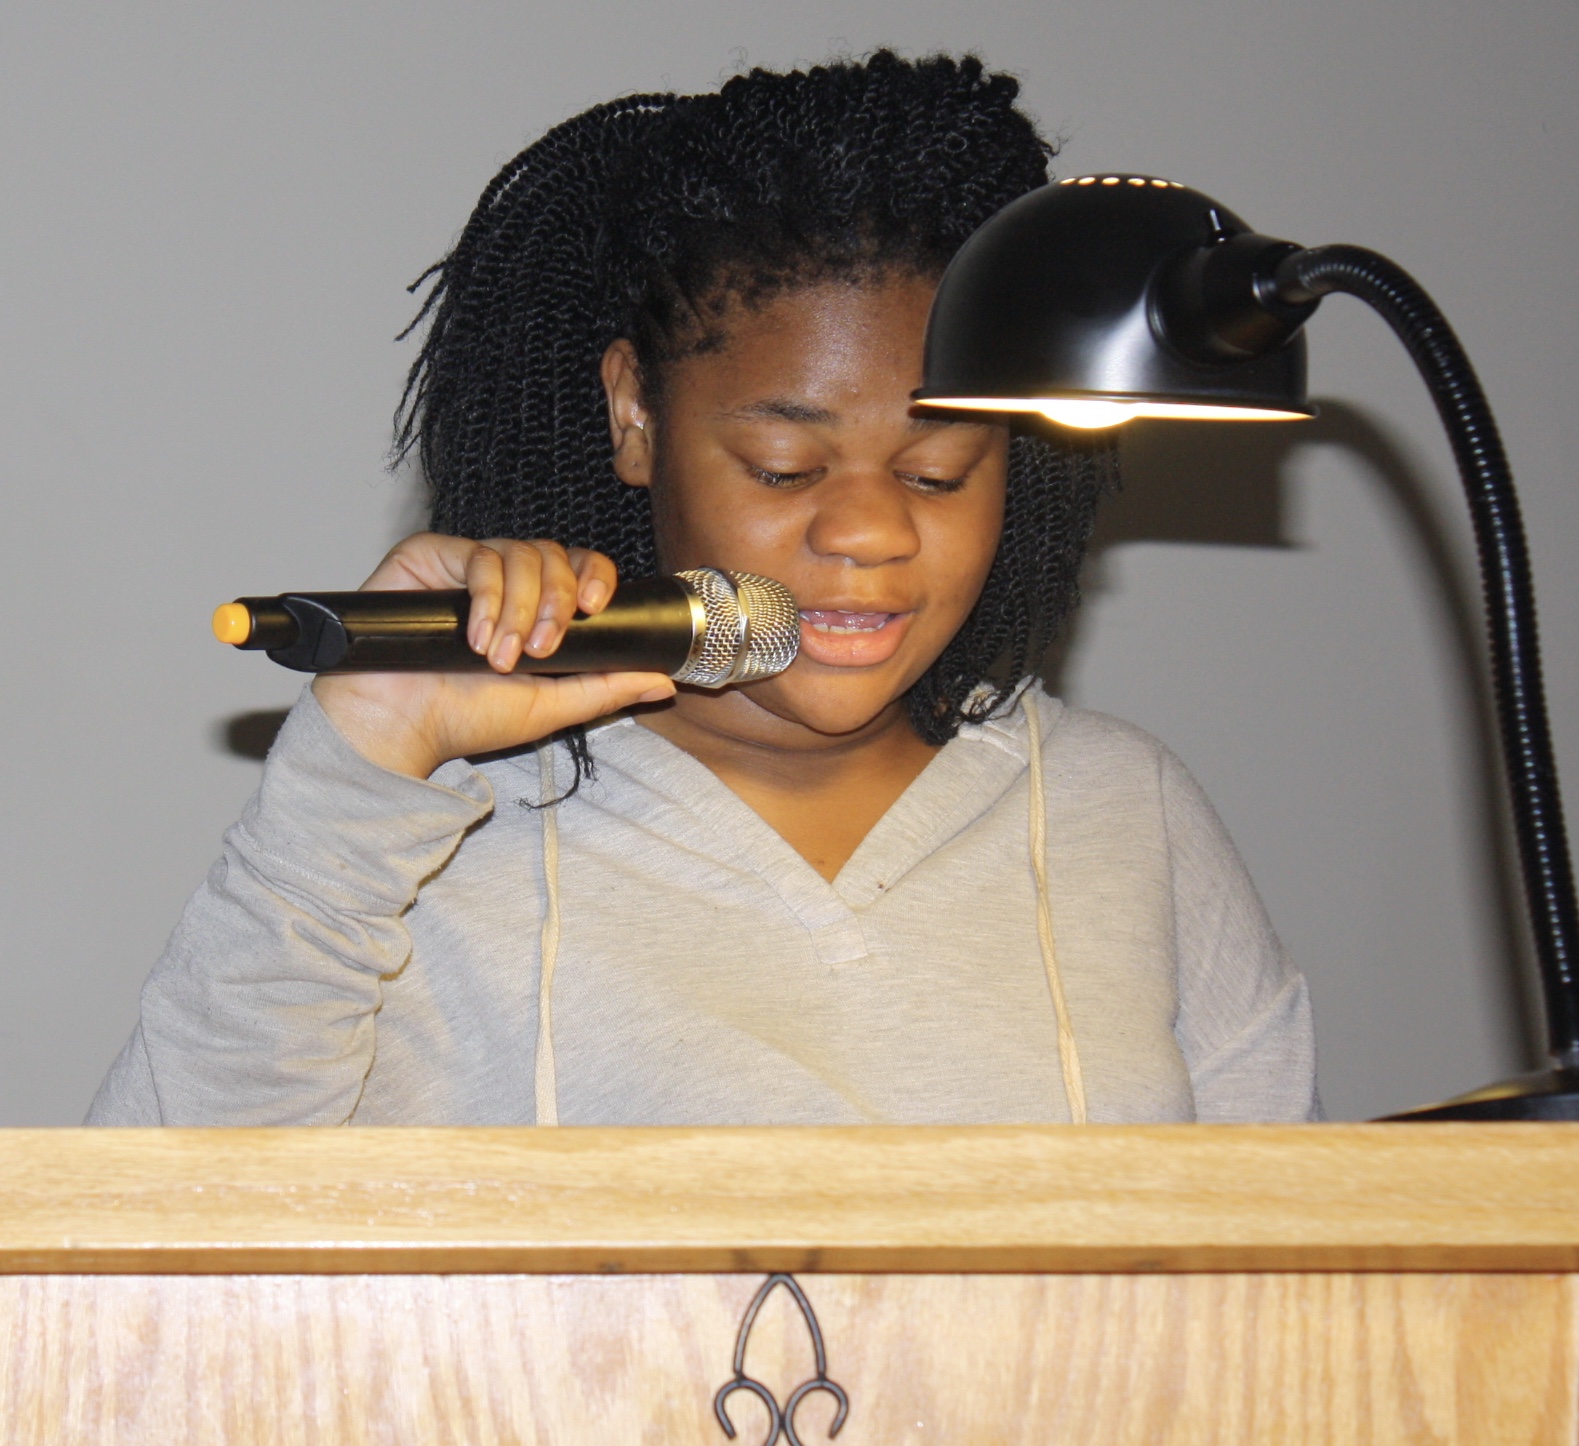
(415, 671)
(704, 627)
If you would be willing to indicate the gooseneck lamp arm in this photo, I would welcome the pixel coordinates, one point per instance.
(1509, 594)
(1108, 297)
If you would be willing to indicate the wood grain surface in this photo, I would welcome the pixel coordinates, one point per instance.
(994, 1359)
(1173, 1198)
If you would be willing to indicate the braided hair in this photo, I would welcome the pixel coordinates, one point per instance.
(647, 218)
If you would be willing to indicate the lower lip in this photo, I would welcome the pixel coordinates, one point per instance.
(861, 649)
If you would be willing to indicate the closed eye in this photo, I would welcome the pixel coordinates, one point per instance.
(932, 484)
(784, 479)
(802, 479)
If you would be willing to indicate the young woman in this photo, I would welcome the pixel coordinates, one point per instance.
(896, 882)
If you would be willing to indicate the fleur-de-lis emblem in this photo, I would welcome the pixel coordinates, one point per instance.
(781, 1420)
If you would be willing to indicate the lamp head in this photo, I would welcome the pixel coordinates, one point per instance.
(1102, 298)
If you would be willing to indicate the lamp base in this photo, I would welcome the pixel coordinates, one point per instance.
(1547, 1095)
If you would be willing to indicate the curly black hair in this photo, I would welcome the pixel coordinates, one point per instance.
(647, 218)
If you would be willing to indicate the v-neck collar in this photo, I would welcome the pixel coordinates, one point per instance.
(685, 800)
(969, 774)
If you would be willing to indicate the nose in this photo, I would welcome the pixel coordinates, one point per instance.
(864, 517)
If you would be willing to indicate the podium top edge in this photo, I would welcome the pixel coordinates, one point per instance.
(1019, 1198)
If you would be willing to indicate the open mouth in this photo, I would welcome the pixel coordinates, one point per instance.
(843, 638)
(821, 621)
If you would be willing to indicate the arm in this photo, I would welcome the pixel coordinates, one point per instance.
(261, 1010)
(1244, 1021)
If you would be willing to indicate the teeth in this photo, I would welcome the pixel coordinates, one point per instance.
(824, 622)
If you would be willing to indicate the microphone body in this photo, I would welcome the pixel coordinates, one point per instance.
(704, 627)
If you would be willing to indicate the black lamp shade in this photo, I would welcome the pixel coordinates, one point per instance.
(1063, 296)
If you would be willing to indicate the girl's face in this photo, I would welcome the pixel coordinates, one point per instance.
(792, 451)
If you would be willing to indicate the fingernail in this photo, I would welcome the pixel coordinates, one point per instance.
(594, 594)
(655, 695)
(542, 636)
(481, 631)
(505, 649)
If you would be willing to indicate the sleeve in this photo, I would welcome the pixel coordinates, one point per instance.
(261, 1010)
(1244, 1022)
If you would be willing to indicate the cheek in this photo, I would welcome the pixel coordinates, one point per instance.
(962, 542)
(686, 516)
(702, 516)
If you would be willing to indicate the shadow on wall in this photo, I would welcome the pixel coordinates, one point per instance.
(250, 735)
(1209, 482)
(1225, 484)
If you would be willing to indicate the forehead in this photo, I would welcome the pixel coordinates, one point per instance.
(808, 413)
(812, 351)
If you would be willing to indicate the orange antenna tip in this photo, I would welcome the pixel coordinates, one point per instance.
(232, 623)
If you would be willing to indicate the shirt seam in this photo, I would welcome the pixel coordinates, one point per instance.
(1253, 1023)
(324, 880)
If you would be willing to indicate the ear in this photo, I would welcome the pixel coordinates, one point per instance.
(629, 420)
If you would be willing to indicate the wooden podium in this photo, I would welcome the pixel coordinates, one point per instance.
(1371, 1283)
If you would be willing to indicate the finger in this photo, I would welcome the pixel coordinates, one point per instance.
(484, 578)
(426, 560)
(582, 697)
(523, 574)
(556, 604)
(596, 579)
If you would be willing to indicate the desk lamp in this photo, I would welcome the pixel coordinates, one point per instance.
(1107, 297)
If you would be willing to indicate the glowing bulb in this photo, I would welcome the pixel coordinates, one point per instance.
(1088, 416)
(1094, 413)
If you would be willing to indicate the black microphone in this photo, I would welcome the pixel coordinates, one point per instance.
(704, 627)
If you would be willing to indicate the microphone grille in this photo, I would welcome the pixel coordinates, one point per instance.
(752, 628)
(772, 626)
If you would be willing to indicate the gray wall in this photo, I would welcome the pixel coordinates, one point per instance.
(208, 214)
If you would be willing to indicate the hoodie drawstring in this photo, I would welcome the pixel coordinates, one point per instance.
(1068, 1052)
(547, 1083)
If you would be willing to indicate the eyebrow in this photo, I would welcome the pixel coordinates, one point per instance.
(782, 409)
(786, 409)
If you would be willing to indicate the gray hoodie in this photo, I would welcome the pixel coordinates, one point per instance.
(370, 948)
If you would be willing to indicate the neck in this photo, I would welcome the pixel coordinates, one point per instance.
(822, 793)
(731, 733)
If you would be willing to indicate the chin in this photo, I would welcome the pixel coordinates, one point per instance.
(832, 706)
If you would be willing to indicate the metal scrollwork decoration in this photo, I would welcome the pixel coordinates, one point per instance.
(781, 1420)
